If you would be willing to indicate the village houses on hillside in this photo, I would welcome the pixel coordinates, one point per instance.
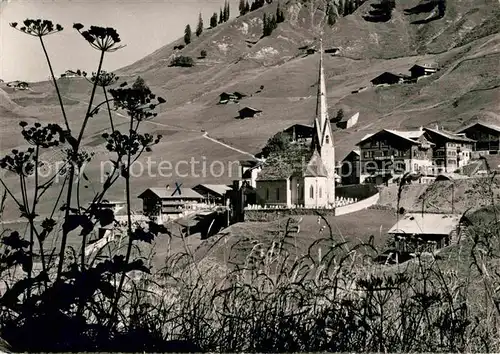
(291, 183)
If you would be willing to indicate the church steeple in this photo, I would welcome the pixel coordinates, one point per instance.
(321, 107)
(323, 138)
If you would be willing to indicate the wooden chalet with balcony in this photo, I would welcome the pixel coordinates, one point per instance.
(486, 136)
(389, 154)
(169, 203)
(451, 151)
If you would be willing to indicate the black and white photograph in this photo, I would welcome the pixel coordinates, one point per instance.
(250, 176)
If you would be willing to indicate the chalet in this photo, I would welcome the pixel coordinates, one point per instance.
(20, 85)
(70, 73)
(249, 170)
(389, 154)
(249, 112)
(425, 232)
(332, 51)
(214, 193)
(486, 136)
(227, 97)
(300, 132)
(388, 78)
(168, 203)
(425, 69)
(346, 123)
(451, 151)
(349, 169)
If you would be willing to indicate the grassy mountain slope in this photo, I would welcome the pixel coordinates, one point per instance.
(465, 42)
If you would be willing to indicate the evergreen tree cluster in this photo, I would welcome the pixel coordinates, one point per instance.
(381, 12)
(223, 16)
(270, 24)
(347, 7)
(245, 6)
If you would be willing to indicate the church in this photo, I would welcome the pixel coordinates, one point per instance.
(305, 175)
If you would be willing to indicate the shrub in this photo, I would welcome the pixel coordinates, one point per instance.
(183, 61)
(203, 53)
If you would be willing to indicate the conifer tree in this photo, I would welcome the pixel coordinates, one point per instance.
(340, 8)
(247, 7)
(227, 11)
(213, 20)
(187, 34)
(199, 28)
(241, 7)
(330, 13)
(221, 16)
(280, 16)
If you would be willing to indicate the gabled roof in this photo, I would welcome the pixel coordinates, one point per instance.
(449, 135)
(354, 151)
(387, 73)
(172, 193)
(315, 167)
(426, 224)
(490, 126)
(426, 65)
(406, 135)
(250, 109)
(219, 189)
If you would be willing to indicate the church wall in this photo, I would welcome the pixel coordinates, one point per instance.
(267, 192)
(315, 191)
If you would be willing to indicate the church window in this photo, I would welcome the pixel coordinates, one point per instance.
(311, 192)
(327, 139)
(277, 194)
(267, 193)
(320, 192)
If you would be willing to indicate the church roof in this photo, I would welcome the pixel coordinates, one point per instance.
(315, 167)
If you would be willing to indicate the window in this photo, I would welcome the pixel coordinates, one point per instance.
(311, 192)
(320, 192)
(327, 139)
(277, 194)
(415, 167)
(267, 193)
(367, 154)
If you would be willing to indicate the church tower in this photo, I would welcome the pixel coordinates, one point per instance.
(323, 138)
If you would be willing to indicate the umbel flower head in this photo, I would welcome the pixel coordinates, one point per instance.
(37, 28)
(105, 79)
(104, 39)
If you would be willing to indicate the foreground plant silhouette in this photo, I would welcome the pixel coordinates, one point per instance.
(78, 294)
(278, 298)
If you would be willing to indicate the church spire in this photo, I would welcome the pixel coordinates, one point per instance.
(321, 107)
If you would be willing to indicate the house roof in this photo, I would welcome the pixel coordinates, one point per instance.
(426, 224)
(450, 176)
(354, 151)
(172, 193)
(449, 135)
(490, 126)
(390, 74)
(426, 65)
(315, 167)
(250, 109)
(407, 135)
(219, 189)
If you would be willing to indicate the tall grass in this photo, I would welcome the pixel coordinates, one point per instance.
(331, 297)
